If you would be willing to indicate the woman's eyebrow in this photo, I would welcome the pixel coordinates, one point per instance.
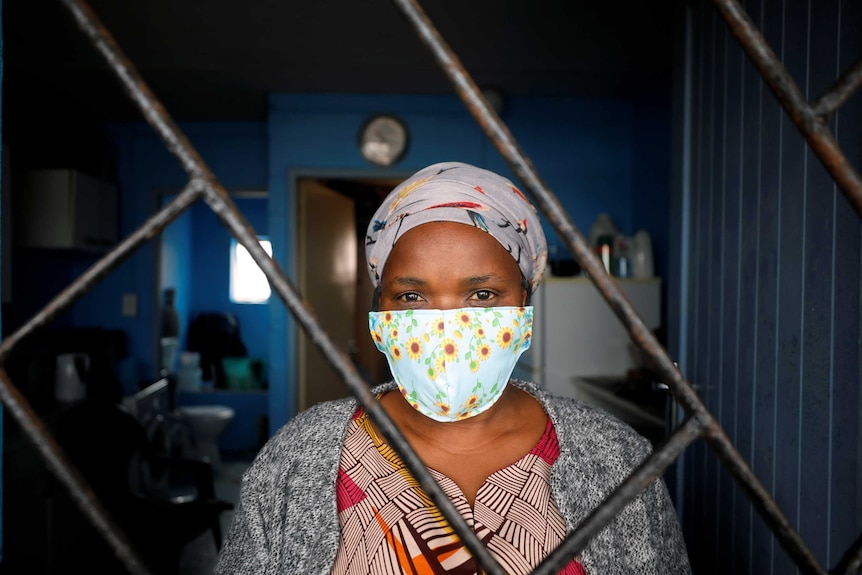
(409, 281)
(479, 280)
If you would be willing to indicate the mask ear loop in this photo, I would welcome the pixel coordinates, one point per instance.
(525, 285)
(375, 299)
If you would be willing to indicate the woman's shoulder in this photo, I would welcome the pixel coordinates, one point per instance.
(585, 427)
(311, 438)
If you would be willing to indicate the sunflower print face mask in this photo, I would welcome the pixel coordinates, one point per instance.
(452, 364)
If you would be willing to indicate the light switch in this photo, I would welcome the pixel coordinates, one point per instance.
(130, 305)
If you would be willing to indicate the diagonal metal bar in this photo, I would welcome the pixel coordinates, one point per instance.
(68, 475)
(548, 203)
(762, 500)
(153, 226)
(20, 408)
(838, 93)
(807, 121)
(221, 203)
(641, 478)
(851, 563)
(551, 208)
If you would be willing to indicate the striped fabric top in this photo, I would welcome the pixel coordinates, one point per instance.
(390, 527)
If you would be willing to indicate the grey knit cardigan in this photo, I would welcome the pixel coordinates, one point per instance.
(286, 519)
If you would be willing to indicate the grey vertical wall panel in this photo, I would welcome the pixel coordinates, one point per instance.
(774, 309)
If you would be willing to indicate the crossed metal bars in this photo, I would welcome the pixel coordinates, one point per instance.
(808, 117)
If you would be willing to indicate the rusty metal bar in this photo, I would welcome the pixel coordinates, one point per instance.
(221, 203)
(20, 408)
(807, 121)
(851, 562)
(548, 203)
(838, 93)
(762, 500)
(138, 91)
(641, 478)
(551, 208)
(68, 475)
(153, 226)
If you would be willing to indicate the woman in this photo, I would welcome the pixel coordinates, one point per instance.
(454, 254)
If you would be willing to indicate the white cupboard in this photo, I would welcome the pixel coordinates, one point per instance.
(66, 209)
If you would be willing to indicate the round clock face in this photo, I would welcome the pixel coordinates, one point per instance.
(383, 140)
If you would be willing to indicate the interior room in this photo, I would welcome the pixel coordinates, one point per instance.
(646, 119)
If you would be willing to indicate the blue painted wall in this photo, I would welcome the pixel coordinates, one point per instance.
(236, 152)
(175, 261)
(583, 148)
(588, 151)
(773, 275)
(210, 270)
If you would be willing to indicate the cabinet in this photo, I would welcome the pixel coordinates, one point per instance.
(576, 335)
(66, 209)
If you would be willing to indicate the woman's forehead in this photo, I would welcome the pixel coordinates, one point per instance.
(452, 248)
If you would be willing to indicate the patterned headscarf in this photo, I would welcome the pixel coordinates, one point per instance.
(456, 192)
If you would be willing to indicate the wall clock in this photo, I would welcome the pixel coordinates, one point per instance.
(383, 139)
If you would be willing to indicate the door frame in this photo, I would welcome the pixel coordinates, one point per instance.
(283, 225)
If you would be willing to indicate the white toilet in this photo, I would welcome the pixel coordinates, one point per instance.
(207, 423)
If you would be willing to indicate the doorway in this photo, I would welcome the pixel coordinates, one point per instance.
(333, 216)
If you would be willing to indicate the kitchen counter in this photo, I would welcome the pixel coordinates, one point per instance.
(637, 404)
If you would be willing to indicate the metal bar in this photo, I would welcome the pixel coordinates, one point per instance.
(641, 478)
(762, 501)
(838, 93)
(851, 563)
(551, 208)
(221, 203)
(138, 91)
(808, 122)
(548, 204)
(219, 200)
(154, 225)
(67, 474)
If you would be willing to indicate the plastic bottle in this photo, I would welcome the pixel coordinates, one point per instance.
(642, 261)
(606, 251)
(602, 226)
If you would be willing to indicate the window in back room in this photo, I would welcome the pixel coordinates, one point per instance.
(247, 282)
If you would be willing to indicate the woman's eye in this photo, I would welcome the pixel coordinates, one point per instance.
(483, 295)
(409, 297)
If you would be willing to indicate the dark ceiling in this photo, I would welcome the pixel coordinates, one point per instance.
(218, 59)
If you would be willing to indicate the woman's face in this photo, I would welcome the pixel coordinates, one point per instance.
(447, 265)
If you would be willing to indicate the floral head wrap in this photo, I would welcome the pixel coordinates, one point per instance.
(456, 192)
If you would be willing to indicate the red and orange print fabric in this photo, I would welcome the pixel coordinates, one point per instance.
(390, 527)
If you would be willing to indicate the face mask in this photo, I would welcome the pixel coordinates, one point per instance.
(452, 364)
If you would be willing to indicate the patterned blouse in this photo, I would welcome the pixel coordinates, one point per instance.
(390, 527)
